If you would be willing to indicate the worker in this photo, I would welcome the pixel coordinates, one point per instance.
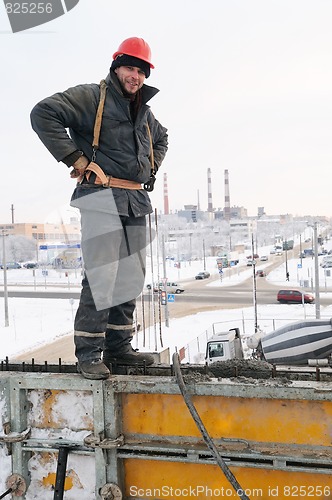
(115, 145)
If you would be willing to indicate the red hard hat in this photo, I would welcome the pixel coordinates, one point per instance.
(135, 47)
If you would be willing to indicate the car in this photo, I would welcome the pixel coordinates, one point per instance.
(264, 258)
(326, 264)
(30, 265)
(261, 273)
(250, 257)
(308, 252)
(171, 287)
(202, 275)
(251, 262)
(11, 265)
(295, 296)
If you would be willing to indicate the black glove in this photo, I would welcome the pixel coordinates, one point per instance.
(148, 186)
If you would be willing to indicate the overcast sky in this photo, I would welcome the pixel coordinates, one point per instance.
(245, 85)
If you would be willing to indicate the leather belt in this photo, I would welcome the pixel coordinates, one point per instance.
(109, 181)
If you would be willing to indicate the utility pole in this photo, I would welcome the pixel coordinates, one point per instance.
(317, 297)
(12, 211)
(165, 281)
(5, 286)
(204, 263)
(254, 282)
(190, 248)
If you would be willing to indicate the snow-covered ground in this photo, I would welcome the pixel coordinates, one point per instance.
(33, 322)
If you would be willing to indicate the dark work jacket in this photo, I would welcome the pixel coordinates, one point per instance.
(124, 146)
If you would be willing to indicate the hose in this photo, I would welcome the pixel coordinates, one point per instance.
(220, 461)
(10, 490)
(15, 484)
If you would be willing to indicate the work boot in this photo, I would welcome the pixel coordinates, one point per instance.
(94, 369)
(127, 357)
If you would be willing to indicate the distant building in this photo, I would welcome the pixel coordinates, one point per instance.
(239, 213)
(235, 213)
(261, 212)
(244, 227)
(191, 213)
(219, 214)
(45, 232)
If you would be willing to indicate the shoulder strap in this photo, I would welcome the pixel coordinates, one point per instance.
(97, 126)
(151, 150)
(99, 115)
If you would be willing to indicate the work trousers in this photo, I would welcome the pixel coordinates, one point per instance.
(113, 250)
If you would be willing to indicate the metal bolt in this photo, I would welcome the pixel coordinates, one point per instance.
(110, 491)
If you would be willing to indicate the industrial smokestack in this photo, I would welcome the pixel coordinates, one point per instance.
(210, 204)
(227, 209)
(166, 206)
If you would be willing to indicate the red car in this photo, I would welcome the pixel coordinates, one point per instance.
(261, 273)
(295, 296)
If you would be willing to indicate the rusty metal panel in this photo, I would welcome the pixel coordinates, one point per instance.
(59, 411)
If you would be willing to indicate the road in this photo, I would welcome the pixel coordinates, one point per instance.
(196, 292)
(197, 297)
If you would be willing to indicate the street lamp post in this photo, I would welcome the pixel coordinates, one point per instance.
(190, 248)
(5, 287)
(317, 296)
(165, 281)
(204, 262)
(254, 284)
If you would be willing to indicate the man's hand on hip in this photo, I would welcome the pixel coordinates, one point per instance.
(79, 167)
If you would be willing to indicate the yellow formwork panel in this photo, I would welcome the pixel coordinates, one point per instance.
(301, 422)
(149, 479)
